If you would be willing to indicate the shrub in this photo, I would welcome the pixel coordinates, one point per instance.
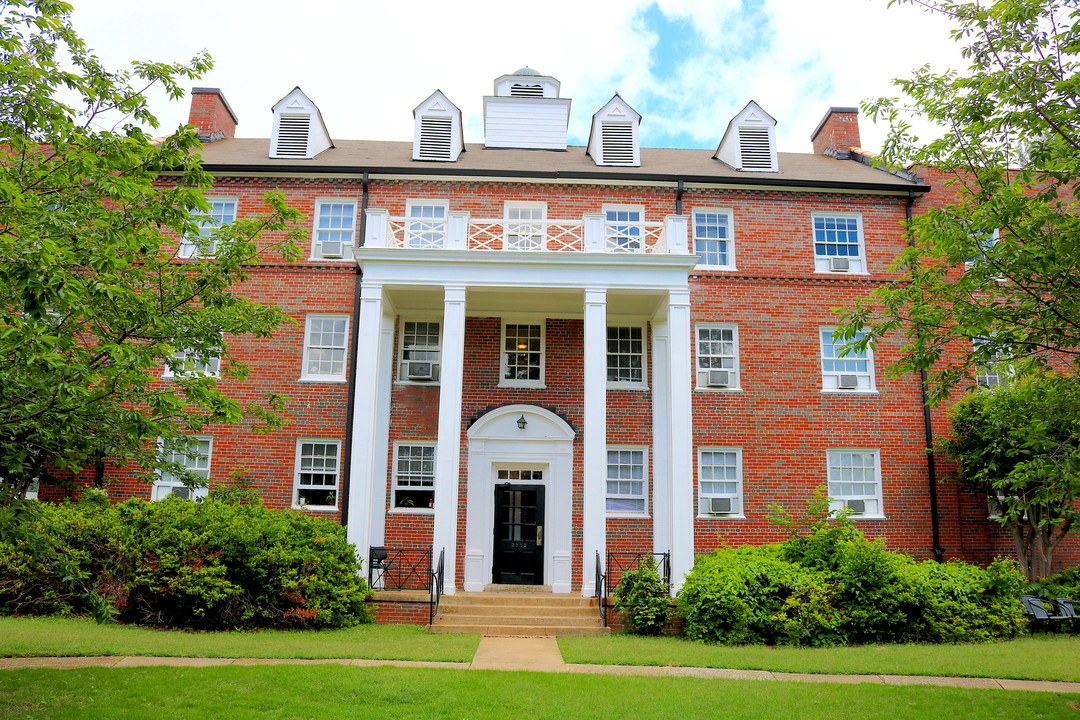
(644, 599)
(959, 602)
(209, 565)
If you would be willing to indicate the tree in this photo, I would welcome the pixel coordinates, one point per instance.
(1020, 444)
(993, 274)
(93, 301)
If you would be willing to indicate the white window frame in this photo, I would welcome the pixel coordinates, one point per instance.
(644, 479)
(308, 347)
(402, 373)
(830, 379)
(426, 228)
(298, 471)
(737, 496)
(165, 483)
(533, 228)
(348, 243)
(394, 507)
(192, 368)
(644, 355)
(823, 263)
(993, 373)
(612, 241)
(984, 244)
(503, 352)
(837, 502)
(701, 372)
(730, 239)
(206, 229)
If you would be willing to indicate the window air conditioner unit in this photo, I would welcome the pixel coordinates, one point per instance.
(847, 382)
(419, 370)
(184, 492)
(858, 506)
(839, 264)
(332, 248)
(719, 378)
(716, 505)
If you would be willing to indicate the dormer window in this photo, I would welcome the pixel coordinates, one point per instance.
(749, 144)
(614, 137)
(438, 135)
(298, 131)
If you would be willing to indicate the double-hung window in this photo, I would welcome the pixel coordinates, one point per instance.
(624, 228)
(335, 229)
(718, 356)
(991, 371)
(523, 355)
(713, 239)
(325, 347)
(855, 481)
(521, 234)
(626, 481)
(426, 224)
(853, 372)
(838, 244)
(419, 359)
(414, 476)
(720, 485)
(222, 212)
(192, 454)
(626, 355)
(184, 364)
(316, 476)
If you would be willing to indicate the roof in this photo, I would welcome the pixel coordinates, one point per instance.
(242, 155)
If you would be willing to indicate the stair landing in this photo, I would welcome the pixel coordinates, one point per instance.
(519, 612)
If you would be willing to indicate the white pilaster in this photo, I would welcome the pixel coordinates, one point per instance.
(594, 529)
(661, 419)
(457, 230)
(594, 234)
(681, 433)
(380, 461)
(377, 228)
(365, 456)
(676, 234)
(448, 446)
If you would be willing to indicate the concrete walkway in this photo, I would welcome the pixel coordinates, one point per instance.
(542, 655)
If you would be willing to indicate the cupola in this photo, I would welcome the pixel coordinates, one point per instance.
(299, 130)
(614, 136)
(749, 143)
(438, 135)
(526, 112)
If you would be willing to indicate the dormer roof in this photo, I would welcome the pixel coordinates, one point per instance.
(438, 135)
(298, 130)
(749, 142)
(614, 137)
(527, 82)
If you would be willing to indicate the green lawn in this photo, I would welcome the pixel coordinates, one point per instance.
(325, 691)
(1041, 657)
(76, 636)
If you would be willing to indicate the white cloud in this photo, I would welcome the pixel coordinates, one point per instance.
(367, 65)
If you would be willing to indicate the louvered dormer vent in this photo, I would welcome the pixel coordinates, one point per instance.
(292, 136)
(617, 143)
(755, 149)
(436, 135)
(524, 90)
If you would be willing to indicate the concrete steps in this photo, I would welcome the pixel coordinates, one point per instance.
(518, 613)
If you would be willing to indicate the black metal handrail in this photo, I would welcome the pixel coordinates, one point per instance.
(619, 563)
(601, 585)
(436, 586)
(400, 569)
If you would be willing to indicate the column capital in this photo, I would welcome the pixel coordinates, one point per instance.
(453, 293)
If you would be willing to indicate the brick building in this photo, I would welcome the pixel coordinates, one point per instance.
(528, 355)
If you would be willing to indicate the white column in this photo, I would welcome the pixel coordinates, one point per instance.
(681, 426)
(380, 463)
(661, 449)
(448, 447)
(594, 529)
(366, 456)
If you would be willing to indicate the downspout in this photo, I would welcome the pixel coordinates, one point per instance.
(354, 364)
(678, 198)
(928, 427)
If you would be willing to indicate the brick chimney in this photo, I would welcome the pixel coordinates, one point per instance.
(211, 115)
(837, 133)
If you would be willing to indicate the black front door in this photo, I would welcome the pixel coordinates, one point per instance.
(519, 530)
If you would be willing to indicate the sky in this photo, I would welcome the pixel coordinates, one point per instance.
(688, 66)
